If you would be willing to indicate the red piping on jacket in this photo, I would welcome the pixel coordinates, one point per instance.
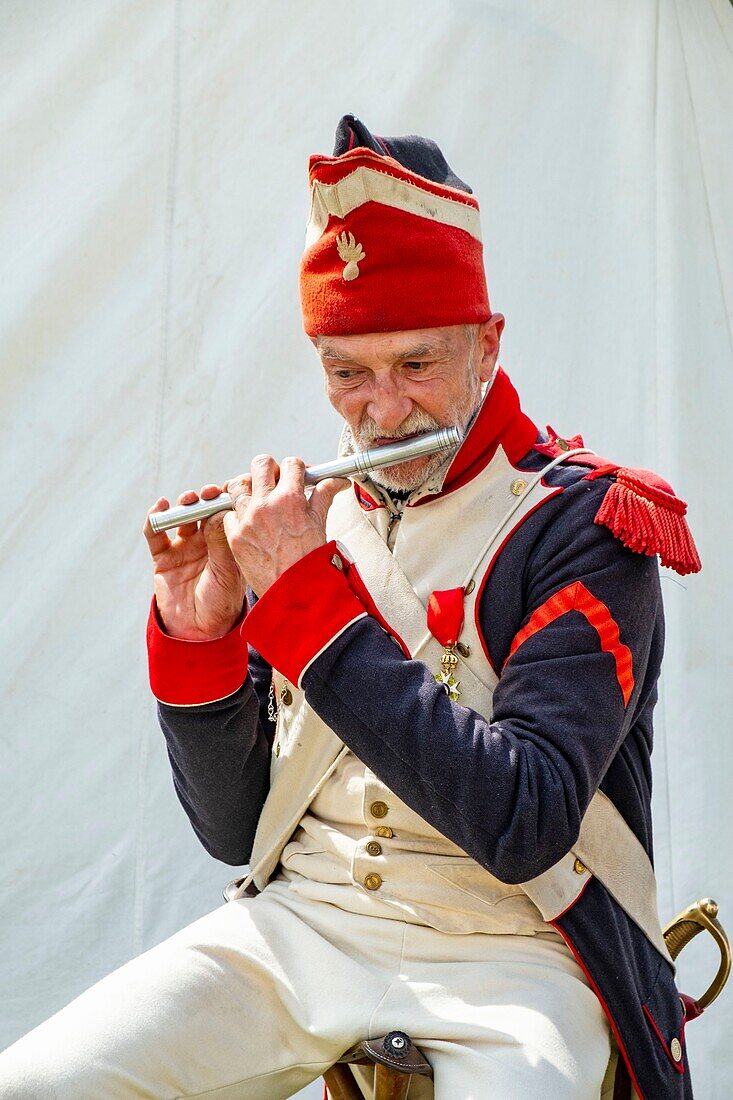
(679, 1066)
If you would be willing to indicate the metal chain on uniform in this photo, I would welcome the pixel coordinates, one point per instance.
(273, 703)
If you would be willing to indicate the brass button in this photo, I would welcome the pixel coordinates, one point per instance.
(563, 444)
(579, 868)
(675, 1048)
(384, 830)
(277, 749)
(379, 809)
(518, 486)
(374, 848)
(470, 586)
(336, 560)
(463, 649)
(286, 696)
(373, 882)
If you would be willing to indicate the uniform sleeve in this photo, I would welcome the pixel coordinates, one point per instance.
(212, 709)
(511, 791)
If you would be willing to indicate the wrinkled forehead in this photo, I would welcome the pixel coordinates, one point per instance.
(428, 343)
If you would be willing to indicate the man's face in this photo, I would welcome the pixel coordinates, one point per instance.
(392, 385)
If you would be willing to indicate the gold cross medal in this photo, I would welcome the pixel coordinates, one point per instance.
(448, 665)
(445, 621)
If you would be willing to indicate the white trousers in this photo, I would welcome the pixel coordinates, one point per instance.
(258, 998)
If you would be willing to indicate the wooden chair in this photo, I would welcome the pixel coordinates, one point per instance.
(392, 1079)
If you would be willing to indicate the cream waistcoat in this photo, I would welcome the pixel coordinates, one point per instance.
(444, 543)
(396, 865)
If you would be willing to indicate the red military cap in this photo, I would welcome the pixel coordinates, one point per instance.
(393, 239)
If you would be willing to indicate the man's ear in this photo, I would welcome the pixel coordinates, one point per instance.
(488, 340)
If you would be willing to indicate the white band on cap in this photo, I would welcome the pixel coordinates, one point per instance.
(369, 185)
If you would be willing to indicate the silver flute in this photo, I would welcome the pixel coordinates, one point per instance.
(361, 462)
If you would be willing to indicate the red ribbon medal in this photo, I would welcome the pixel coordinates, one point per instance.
(445, 622)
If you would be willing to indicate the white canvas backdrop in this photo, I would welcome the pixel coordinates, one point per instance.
(153, 200)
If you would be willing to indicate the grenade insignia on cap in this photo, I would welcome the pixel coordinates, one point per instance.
(351, 253)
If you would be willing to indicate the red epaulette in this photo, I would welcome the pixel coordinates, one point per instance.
(640, 508)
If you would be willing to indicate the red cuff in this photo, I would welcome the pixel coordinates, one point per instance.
(303, 612)
(187, 674)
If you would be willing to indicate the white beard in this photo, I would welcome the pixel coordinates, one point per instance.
(406, 477)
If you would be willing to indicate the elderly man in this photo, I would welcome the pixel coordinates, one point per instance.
(430, 731)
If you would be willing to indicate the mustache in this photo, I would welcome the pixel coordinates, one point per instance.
(418, 421)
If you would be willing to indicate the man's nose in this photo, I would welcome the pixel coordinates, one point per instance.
(389, 405)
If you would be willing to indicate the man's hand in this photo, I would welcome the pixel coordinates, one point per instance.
(274, 524)
(199, 588)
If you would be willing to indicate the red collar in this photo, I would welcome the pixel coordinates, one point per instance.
(500, 422)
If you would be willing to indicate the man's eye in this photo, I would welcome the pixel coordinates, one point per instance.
(416, 367)
(346, 375)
